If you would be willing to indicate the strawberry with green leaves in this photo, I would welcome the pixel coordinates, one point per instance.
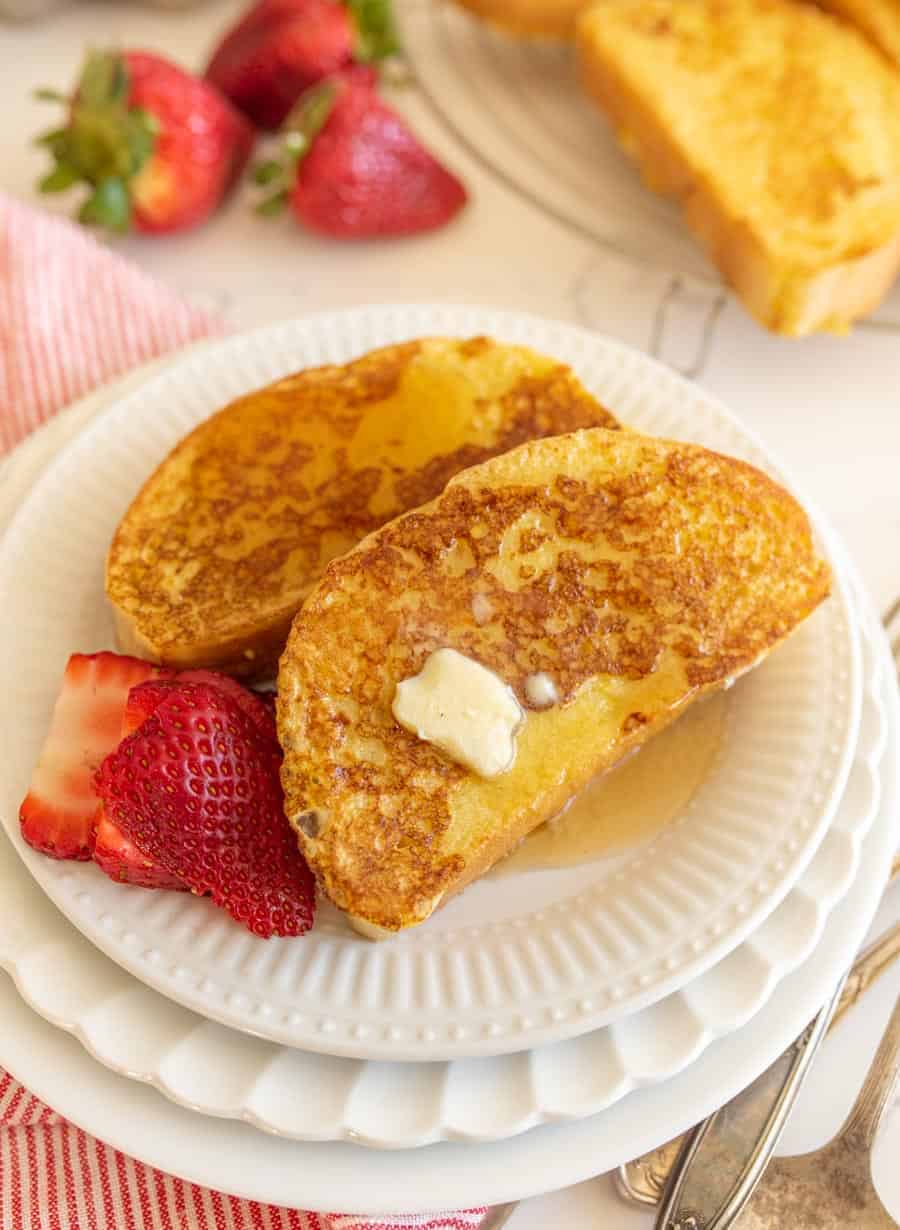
(156, 147)
(352, 169)
(282, 47)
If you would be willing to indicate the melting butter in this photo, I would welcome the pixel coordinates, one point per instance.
(541, 690)
(464, 709)
(632, 802)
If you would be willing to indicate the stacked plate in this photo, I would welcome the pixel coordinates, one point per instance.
(618, 999)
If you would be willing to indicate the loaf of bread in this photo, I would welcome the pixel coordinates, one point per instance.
(777, 127)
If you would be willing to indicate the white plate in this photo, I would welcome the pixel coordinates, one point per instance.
(225, 1073)
(510, 964)
(234, 1157)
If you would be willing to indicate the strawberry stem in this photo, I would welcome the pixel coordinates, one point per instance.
(306, 120)
(273, 204)
(104, 142)
(377, 36)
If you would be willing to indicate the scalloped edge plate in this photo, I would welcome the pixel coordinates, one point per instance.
(137, 1033)
(302, 1096)
(233, 1157)
(510, 964)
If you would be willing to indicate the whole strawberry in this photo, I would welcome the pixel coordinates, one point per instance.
(196, 788)
(282, 47)
(353, 168)
(157, 147)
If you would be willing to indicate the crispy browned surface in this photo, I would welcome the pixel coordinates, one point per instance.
(225, 539)
(637, 573)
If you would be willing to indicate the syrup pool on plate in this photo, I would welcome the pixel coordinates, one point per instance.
(634, 801)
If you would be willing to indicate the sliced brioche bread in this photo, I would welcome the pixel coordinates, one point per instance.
(228, 535)
(777, 127)
(608, 579)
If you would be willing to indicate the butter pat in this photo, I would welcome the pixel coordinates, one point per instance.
(464, 709)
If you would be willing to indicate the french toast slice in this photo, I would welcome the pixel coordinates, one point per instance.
(227, 536)
(628, 575)
(777, 128)
(541, 19)
(879, 20)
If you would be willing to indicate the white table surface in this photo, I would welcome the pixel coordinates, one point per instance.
(830, 407)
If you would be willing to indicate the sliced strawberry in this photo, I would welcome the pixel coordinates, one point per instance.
(197, 788)
(144, 699)
(58, 813)
(141, 702)
(252, 703)
(123, 861)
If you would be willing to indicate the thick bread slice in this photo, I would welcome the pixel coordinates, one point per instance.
(545, 19)
(222, 544)
(879, 20)
(636, 573)
(777, 127)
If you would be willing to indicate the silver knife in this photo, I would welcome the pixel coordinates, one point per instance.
(724, 1157)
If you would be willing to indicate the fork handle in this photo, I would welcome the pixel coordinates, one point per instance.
(875, 1095)
(868, 968)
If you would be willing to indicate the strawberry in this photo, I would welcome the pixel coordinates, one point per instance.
(281, 47)
(157, 147)
(123, 861)
(358, 171)
(59, 811)
(252, 703)
(197, 788)
(143, 700)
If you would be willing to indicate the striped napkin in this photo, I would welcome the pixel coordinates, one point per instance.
(73, 316)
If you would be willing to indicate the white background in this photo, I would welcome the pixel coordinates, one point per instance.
(830, 407)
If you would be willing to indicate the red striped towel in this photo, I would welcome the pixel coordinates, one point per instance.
(73, 315)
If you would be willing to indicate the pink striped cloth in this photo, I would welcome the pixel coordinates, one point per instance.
(73, 315)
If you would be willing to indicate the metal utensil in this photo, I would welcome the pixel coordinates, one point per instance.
(644, 1180)
(726, 1155)
(832, 1188)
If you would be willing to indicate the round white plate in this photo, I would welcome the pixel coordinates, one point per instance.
(234, 1157)
(222, 1072)
(511, 963)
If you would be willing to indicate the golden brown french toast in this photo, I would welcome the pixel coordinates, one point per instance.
(879, 20)
(777, 127)
(549, 19)
(625, 576)
(223, 542)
